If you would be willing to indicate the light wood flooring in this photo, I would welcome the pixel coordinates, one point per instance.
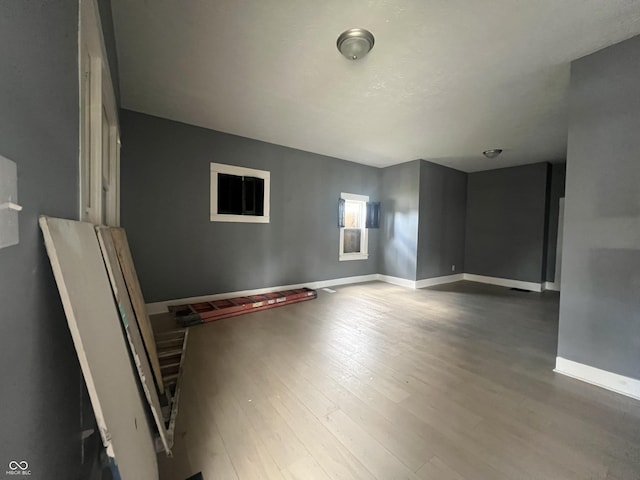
(382, 382)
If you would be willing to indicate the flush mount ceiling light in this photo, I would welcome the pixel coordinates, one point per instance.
(493, 153)
(355, 43)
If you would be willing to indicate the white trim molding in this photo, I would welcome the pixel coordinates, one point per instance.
(99, 130)
(363, 254)
(215, 169)
(504, 282)
(430, 282)
(161, 307)
(600, 378)
(553, 286)
(343, 281)
(402, 282)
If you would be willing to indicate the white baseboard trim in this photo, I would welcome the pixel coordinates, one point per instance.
(600, 378)
(503, 282)
(426, 282)
(402, 282)
(553, 286)
(161, 307)
(430, 282)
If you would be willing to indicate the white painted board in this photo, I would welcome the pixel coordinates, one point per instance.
(121, 243)
(134, 337)
(94, 323)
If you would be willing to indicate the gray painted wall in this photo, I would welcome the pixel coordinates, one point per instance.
(42, 387)
(106, 19)
(600, 301)
(505, 227)
(556, 192)
(442, 214)
(399, 220)
(180, 253)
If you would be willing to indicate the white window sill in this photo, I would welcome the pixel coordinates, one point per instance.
(353, 256)
(216, 217)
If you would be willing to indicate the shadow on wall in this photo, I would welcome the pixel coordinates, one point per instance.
(399, 236)
(388, 219)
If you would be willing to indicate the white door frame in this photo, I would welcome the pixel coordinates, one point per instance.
(96, 94)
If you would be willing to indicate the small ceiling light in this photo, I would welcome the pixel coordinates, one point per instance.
(493, 153)
(355, 43)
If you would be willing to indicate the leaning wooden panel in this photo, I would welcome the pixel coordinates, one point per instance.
(133, 332)
(139, 307)
(93, 320)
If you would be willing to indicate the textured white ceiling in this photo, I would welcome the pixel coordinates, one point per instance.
(446, 79)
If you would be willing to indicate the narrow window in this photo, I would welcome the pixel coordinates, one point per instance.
(353, 232)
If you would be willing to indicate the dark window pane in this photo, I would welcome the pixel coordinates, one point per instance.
(352, 240)
(229, 194)
(260, 196)
(253, 196)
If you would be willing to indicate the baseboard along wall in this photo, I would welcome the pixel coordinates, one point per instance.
(600, 378)
(504, 282)
(161, 307)
(553, 286)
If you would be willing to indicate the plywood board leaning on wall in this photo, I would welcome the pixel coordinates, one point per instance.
(93, 320)
(139, 307)
(133, 332)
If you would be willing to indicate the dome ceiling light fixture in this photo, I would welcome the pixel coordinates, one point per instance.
(493, 153)
(355, 43)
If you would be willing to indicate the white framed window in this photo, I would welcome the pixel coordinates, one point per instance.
(99, 129)
(354, 244)
(239, 194)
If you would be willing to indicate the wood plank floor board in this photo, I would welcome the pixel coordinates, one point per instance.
(249, 456)
(378, 381)
(515, 457)
(305, 469)
(335, 460)
(371, 453)
(424, 439)
(403, 443)
(204, 448)
(508, 418)
(436, 469)
(353, 436)
(280, 441)
(316, 401)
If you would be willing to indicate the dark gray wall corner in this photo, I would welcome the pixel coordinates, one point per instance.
(180, 253)
(42, 384)
(108, 32)
(399, 220)
(505, 224)
(600, 305)
(442, 216)
(556, 192)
